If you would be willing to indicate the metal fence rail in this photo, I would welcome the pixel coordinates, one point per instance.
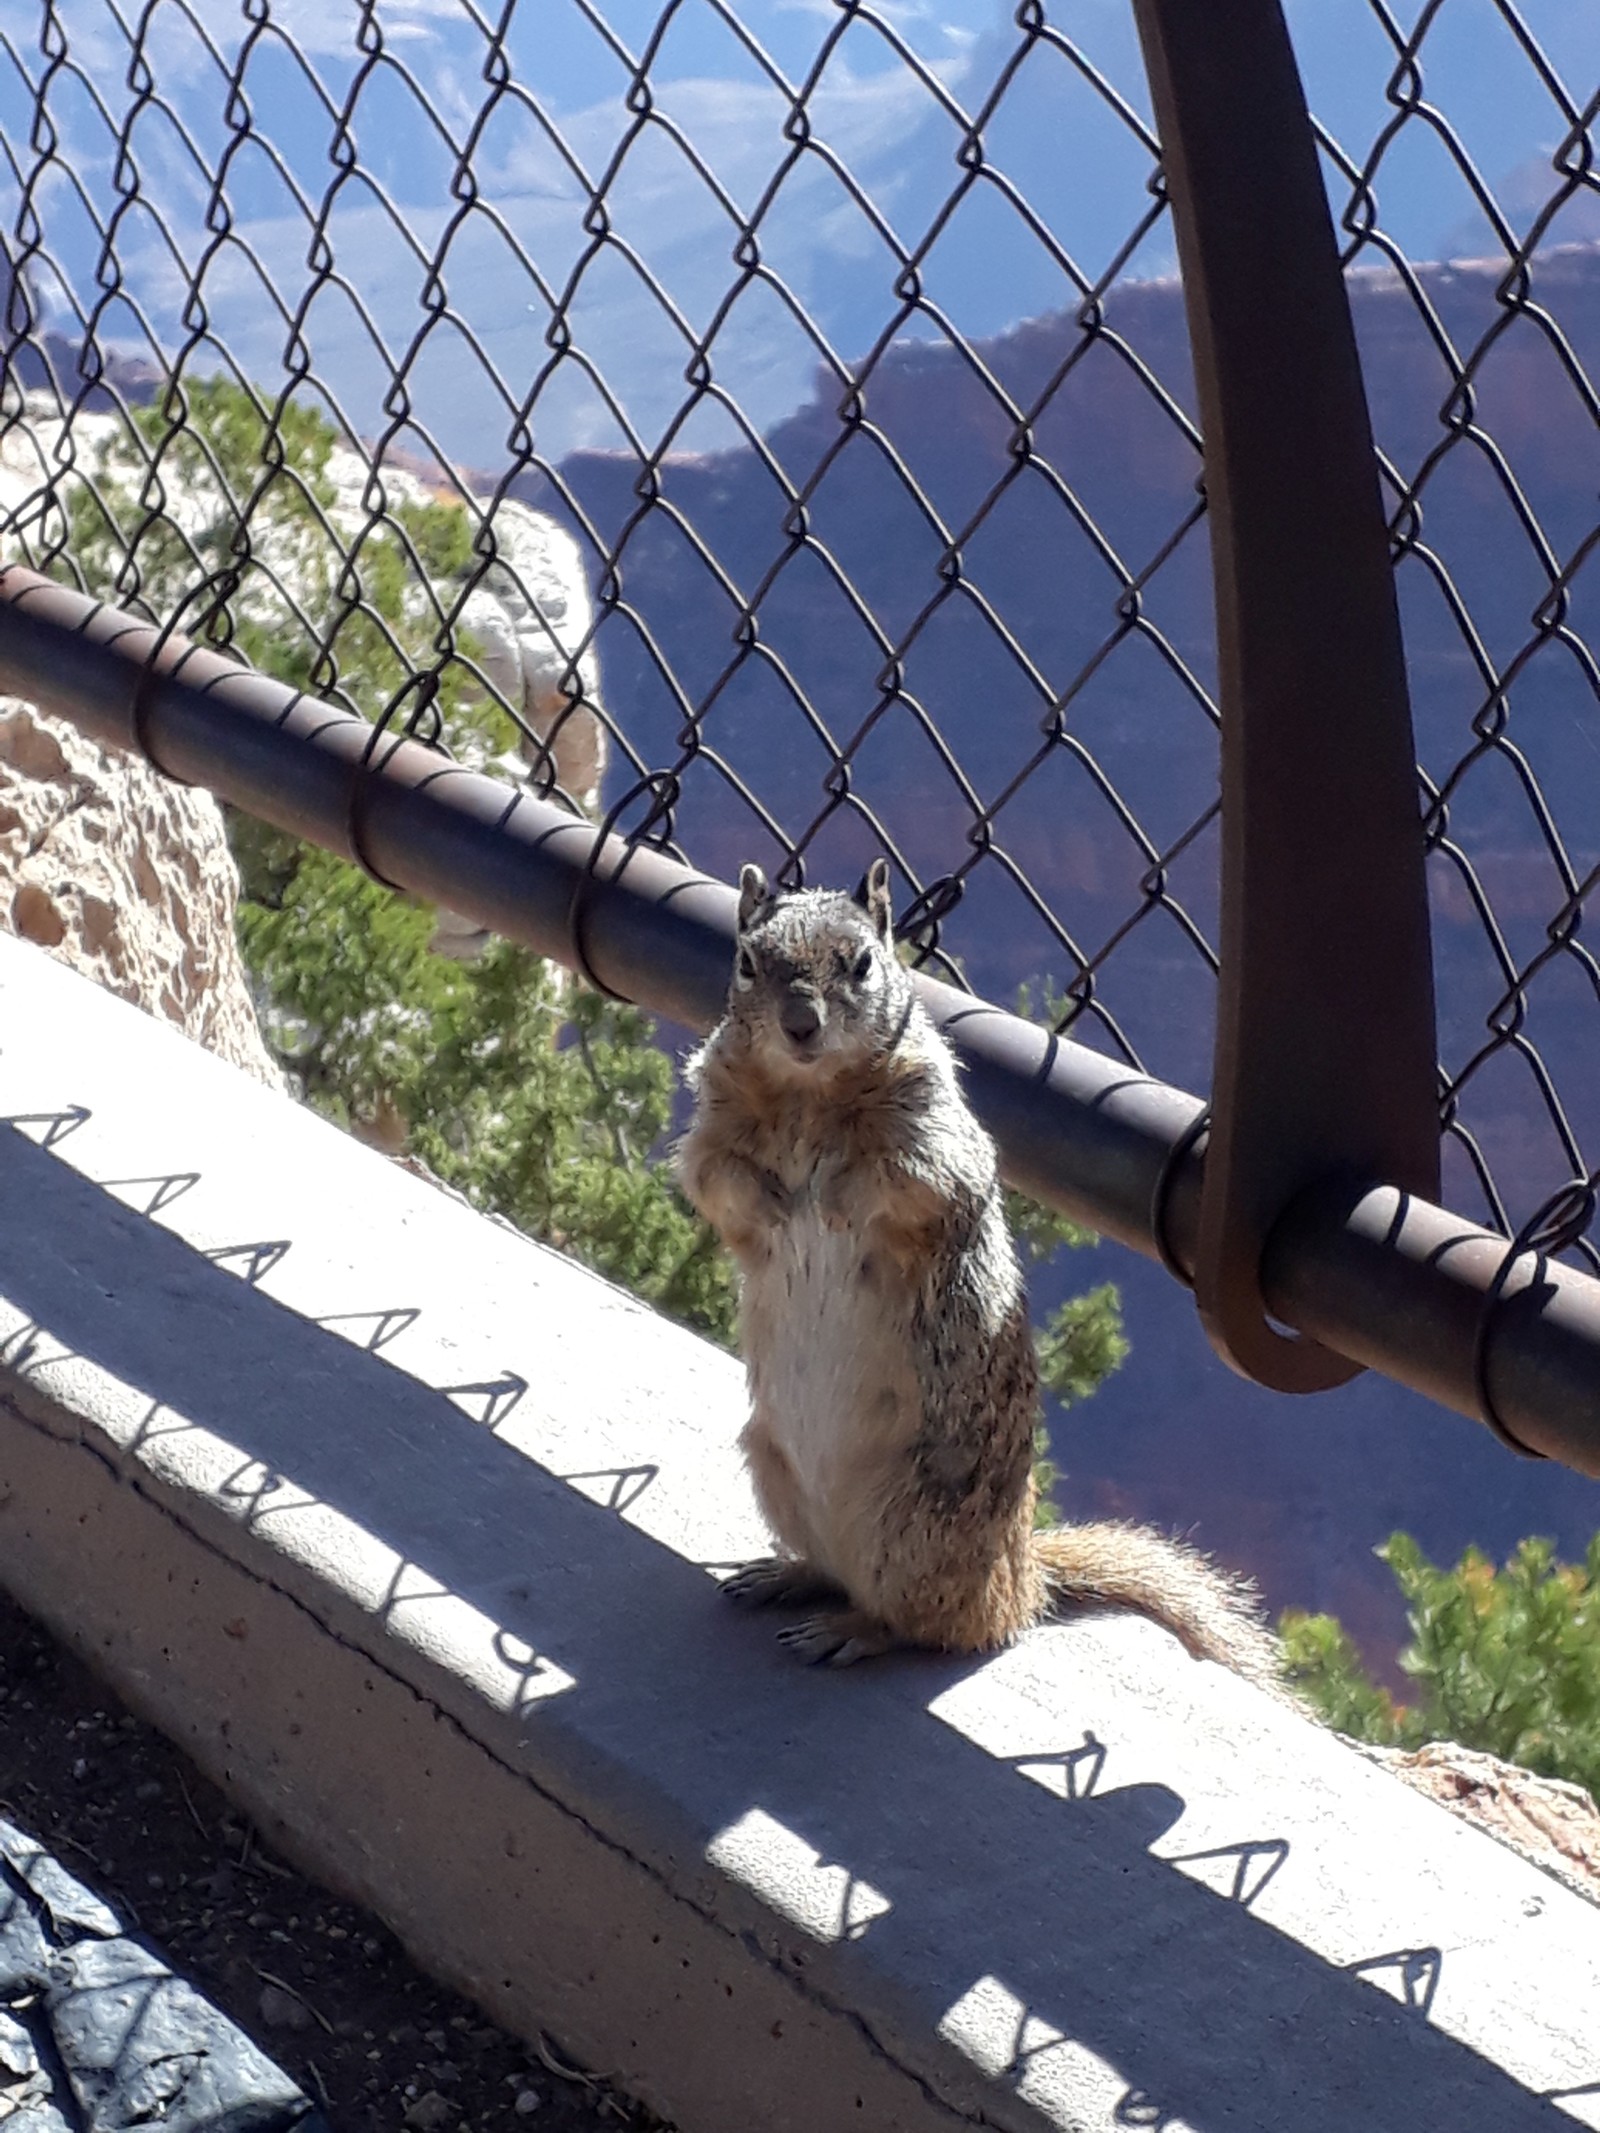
(1378, 1275)
(950, 598)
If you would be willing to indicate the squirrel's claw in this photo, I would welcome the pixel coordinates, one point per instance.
(837, 1639)
(777, 1581)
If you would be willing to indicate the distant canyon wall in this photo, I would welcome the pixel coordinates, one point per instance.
(948, 754)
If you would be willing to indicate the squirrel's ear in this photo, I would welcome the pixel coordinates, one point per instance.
(875, 899)
(753, 894)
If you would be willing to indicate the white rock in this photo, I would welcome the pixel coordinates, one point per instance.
(536, 600)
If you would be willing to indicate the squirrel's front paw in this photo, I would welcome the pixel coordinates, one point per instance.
(746, 1205)
(774, 1200)
(778, 1581)
(830, 1189)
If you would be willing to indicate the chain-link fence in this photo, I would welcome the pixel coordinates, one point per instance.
(775, 429)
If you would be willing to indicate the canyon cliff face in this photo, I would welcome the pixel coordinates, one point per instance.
(939, 688)
(126, 877)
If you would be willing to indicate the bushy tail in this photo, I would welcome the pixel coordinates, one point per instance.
(1216, 1614)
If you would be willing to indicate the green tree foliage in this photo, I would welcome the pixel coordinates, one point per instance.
(1081, 1343)
(1504, 1660)
(1078, 1345)
(1322, 1661)
(353, 609)
(532, 1096)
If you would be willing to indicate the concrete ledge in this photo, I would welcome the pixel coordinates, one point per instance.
(402, 1526)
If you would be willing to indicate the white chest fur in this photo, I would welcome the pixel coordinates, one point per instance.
(827, 1325)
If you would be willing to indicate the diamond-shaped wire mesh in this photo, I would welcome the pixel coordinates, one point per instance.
(784, 420)
(1483, 375)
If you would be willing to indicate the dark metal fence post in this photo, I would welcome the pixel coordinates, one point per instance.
(1325, 1057)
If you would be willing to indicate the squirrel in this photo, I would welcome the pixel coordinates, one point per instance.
(883, 1319)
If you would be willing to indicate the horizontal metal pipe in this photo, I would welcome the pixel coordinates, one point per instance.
(1385, 1278)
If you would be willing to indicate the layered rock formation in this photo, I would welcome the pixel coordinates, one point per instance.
(1553, 1824)
(127, 877)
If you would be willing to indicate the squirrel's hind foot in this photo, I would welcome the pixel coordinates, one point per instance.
(838, 1639)
(778, 1581)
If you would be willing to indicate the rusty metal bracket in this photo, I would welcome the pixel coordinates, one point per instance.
(1325, 1050)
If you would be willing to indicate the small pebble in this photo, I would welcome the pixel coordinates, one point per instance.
(431, 2113)
(281, 2010)
(528, 2101)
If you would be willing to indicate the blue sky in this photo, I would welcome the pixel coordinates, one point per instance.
(1079, 165)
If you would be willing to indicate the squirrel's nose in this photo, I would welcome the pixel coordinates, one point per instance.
(801, 1017)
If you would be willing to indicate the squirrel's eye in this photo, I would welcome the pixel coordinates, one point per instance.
(863, 969)
(745, 967)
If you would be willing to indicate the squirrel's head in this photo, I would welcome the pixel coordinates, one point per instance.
(816, 982)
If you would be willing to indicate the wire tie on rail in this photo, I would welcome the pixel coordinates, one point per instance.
(1190, 1139)
(663, 786)
(920, 924)
(368, 768)
(1549, 1230)
(224, 584)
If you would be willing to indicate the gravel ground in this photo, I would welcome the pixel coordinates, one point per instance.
(321, 1986)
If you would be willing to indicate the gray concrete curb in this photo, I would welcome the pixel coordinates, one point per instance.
(402, 1526)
